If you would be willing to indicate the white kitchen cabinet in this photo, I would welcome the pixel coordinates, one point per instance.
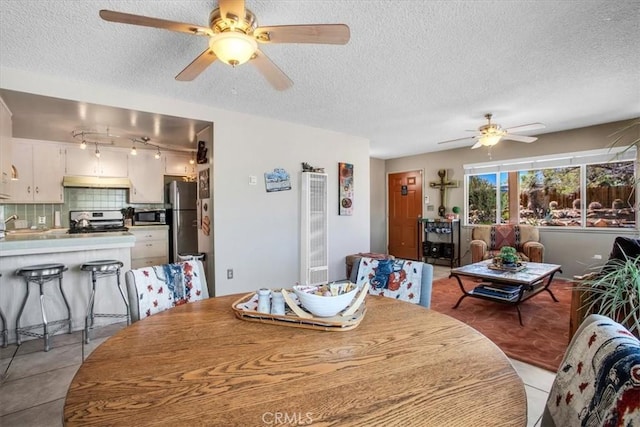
(179, 164)
(151, 247)
(5, 150)
(146, 175)
(112, 162)
(41, 169)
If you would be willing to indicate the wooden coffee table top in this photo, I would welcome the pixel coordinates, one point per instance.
(198, 364)
(533, 272)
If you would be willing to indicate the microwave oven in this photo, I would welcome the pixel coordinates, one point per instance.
(150, 217)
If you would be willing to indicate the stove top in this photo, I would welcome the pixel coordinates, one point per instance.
(96, 222)
(80, 230)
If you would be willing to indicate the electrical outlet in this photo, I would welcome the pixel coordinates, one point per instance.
(42, 220)
(229, 273)
(597, 256)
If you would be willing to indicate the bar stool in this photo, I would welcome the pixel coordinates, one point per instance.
(41, 274)
(102, 268)
(5, 333)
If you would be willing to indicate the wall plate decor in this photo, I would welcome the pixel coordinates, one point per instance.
(345, 190)
(278, 180)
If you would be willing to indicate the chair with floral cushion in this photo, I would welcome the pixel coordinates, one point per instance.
(487, 240)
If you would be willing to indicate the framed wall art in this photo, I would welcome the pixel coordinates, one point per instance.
(345, 190)
(203, 184)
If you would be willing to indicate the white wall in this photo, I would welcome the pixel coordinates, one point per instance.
(255, 233)
(378, 206)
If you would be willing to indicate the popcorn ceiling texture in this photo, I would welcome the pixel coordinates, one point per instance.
(414, 73)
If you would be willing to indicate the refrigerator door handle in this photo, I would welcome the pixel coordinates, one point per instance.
(177, 201)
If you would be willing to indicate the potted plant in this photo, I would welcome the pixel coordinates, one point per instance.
(615, 292)
(456, 211)
(508, 256)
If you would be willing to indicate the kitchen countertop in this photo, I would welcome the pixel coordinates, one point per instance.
(57, 240)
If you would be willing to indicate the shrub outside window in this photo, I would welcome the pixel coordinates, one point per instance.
(553, 196)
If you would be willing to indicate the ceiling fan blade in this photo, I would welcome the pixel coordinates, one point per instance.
(321, 33)
(231, 9)
(456, 140)
(145, 21)
(197, 66)
(271, 72)
(525, 128)
(476, 145)
(520, 138)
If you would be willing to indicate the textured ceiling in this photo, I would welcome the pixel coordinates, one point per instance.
(414, 72)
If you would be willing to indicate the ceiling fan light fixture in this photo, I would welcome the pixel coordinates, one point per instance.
(232, 47)
(490, 140)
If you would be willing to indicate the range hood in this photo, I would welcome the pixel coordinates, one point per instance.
(95, 182)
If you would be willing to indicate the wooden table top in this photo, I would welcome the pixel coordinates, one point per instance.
(198, 364)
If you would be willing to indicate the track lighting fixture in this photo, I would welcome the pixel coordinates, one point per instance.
(97, 151)
(157, 156)
(83, 144)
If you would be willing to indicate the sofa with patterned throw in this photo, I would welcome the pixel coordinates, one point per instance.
(486, 241)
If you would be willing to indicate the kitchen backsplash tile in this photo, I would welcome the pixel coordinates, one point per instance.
(75, 199)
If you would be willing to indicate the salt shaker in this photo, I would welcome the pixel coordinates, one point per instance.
(277, 303)
(264, 302)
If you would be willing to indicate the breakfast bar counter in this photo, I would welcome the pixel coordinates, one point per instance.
(19, 250)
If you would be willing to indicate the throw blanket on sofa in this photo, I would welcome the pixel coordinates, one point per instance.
(164, 286)
(598, 383)
(391, 278)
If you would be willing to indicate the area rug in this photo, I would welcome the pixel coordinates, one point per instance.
(542, 340)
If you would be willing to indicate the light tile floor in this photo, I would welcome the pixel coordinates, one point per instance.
(33, 384)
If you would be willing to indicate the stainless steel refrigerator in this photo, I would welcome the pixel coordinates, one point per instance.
(182, 219)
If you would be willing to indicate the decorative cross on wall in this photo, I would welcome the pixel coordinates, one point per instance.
(443, 184)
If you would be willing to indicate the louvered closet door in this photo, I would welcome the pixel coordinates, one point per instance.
(314, 233)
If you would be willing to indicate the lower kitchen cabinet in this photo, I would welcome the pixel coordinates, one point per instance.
(151, 247)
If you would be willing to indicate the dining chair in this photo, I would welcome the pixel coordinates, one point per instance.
(364, 266)
(151, 290)
(597, 382)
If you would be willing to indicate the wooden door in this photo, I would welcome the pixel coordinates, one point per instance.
(405, 205)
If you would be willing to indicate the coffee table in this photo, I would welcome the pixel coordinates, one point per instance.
(507, 287)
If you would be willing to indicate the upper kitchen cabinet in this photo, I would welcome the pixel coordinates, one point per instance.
(40, 166)
(111, 162)
(146, 175)
(5, 150)
(179, 164)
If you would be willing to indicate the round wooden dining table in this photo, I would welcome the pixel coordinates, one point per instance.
(197, 364)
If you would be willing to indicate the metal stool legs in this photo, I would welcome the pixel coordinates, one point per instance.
(42, 274)
(102, 269)
(5, 332)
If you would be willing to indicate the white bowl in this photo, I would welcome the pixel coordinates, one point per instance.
(323, 306)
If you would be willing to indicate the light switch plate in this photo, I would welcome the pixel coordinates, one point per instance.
(253, 180)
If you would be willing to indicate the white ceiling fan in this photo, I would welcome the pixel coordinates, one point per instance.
(234, 35)
(492, 133)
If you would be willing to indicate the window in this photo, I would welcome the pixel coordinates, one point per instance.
(549, 191)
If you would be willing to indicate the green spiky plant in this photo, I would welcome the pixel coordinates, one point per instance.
(615, 292)
(508, 255)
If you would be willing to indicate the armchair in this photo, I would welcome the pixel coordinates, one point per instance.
(486, 241)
